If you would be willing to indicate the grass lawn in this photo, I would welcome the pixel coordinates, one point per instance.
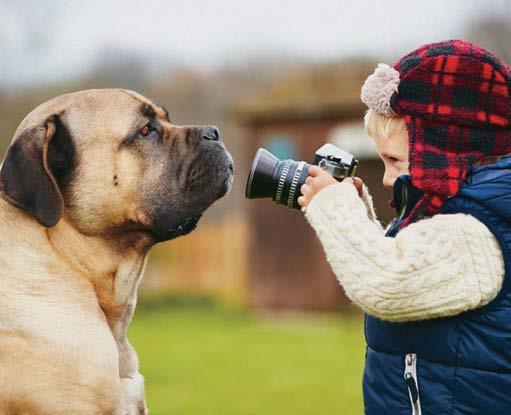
(212, 361)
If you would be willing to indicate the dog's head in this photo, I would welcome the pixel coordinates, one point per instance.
(111, 162)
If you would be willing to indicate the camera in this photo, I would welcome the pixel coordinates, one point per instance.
(282, 179)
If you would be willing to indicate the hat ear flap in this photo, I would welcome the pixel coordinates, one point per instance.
(26, 177)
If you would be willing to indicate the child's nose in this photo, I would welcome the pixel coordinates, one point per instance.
(388, 181)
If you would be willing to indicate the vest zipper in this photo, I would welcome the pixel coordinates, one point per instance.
(412, 383)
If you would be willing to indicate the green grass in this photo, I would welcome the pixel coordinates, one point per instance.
(211, 361)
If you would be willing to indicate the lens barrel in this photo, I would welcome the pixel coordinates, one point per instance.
(289, 178)
(280, 180)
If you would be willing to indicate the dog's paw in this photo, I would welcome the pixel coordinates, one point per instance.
(134, 399)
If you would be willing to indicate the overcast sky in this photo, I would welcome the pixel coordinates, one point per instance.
(52, 39)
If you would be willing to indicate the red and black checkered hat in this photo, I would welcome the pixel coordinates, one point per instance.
(455, 98)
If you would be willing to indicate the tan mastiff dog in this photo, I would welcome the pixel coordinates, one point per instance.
(91, 181)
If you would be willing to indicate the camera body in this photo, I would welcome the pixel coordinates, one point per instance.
(282, 179)
(339, 163)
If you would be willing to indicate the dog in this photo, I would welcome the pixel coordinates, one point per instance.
(91, 181)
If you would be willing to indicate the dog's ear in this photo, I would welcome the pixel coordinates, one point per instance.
(37, 160)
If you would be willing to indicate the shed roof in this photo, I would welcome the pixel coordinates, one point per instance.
(319, 91)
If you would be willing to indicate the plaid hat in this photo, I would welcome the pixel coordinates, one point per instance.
(455, 100)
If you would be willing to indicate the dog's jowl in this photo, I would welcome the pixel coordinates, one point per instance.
(91, 181)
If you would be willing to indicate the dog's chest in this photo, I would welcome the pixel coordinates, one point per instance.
(117, 293)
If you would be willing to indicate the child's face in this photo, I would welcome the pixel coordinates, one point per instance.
(394, 153)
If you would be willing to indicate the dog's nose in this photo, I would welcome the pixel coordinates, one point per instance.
(209, 132)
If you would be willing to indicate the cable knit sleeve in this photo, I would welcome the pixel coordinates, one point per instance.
(436, 267)
(368, 202)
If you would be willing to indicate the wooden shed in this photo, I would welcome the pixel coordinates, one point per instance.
(288, 269)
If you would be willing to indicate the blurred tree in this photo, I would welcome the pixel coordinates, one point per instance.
(118, 68)
(26, 30)
(493, 31)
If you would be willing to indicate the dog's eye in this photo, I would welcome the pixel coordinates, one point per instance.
(146, 130)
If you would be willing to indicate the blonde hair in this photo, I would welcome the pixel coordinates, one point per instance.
(383, 126)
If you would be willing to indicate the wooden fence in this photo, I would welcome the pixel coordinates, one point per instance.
(209, 261)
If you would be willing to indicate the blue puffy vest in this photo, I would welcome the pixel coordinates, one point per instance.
(456, 365)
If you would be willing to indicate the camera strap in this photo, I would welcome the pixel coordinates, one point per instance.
(406, 196)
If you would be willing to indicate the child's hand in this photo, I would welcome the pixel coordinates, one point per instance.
(319, 179)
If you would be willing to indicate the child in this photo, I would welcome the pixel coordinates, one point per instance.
(436, 288)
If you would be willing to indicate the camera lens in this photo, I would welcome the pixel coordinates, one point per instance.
(280, 180)
(289, 178)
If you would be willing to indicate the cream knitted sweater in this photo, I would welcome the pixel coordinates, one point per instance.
(436, 267)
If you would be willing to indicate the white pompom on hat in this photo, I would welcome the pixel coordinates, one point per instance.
(379, 88)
